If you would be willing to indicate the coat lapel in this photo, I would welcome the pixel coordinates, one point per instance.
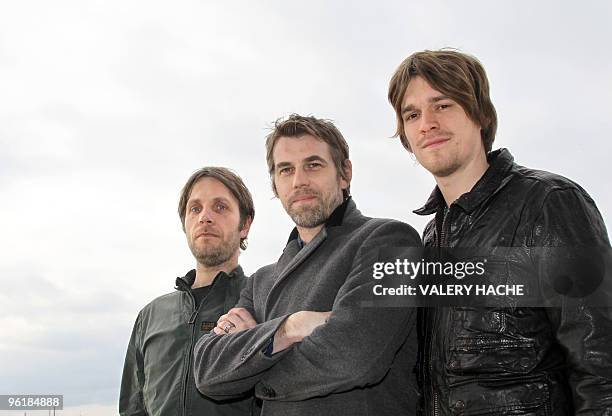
(302, 255)
(292, 257)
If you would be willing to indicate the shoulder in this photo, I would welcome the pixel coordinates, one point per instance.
(263, 271)
(355, 223)
(161, 304)
(374, 234)
(543, 183)
(388, 228)
(559, 211)
(237, 279)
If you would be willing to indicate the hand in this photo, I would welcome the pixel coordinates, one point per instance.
(236, 319)
(296, 327)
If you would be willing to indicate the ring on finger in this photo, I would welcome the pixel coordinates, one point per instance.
(228, 326)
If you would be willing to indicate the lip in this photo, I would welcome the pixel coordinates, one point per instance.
(435, 142)
(303, 198)
(206, 234)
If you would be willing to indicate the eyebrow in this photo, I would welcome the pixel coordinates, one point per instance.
(431, 100)
(215, 199)
(281, 165)
(312, 158)
(315, 158)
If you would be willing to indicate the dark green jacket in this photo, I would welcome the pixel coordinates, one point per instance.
(157, 376)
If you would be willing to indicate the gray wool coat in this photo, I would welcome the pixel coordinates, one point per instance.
(359, 363)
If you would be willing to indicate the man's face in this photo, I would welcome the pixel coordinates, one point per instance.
(212, 220)
(441, 135)
(306, 179)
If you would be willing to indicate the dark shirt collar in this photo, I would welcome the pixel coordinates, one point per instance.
(335, 219)
(300, 242)
(185, 282)
(500, 163)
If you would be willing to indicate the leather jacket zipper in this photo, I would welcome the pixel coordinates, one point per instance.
(436, 409)
(442, 242)
(193, 317)
(191, 322)
(444, 229)
(434, 394)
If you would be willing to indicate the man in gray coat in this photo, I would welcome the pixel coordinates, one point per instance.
(301, 334)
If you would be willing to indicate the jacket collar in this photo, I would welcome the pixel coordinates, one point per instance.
(184, 283)
(335, 219)
(500, 163)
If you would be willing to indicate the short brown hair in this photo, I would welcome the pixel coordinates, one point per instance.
(296, 126)
(231, 182)
(457, 75)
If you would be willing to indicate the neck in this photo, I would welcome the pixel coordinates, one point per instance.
(307, 234)
(206, 274)
(463, 179)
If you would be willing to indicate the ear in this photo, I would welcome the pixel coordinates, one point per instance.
(347, 167)
(244, 232)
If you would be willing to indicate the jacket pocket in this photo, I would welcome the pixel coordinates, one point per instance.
(491, 354)
(481, 342)
(511, 396)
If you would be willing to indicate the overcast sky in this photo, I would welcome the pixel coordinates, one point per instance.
(106, 107)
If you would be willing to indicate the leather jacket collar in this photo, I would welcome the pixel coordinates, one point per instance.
(185, 282)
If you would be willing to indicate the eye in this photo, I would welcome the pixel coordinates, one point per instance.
(285, 171)
(313, 165)
(195, 209)
(220, 206)
(410, 116)
(443, 106)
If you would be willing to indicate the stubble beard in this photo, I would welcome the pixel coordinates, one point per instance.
(312, 216)
(443, 164)
(447, 168)
(210, 255)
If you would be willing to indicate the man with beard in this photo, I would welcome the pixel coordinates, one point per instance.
(510, 358)
(216, 211)
(300, 334)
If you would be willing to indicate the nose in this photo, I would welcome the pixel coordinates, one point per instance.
(428, 121)
(300, 178)
(205, 216)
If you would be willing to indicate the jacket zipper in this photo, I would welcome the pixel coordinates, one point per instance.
(436, 410)
(444, 229)
(192, 320)
(436, 406)
(442, 242)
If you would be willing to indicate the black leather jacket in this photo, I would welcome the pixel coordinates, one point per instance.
(515, 361)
